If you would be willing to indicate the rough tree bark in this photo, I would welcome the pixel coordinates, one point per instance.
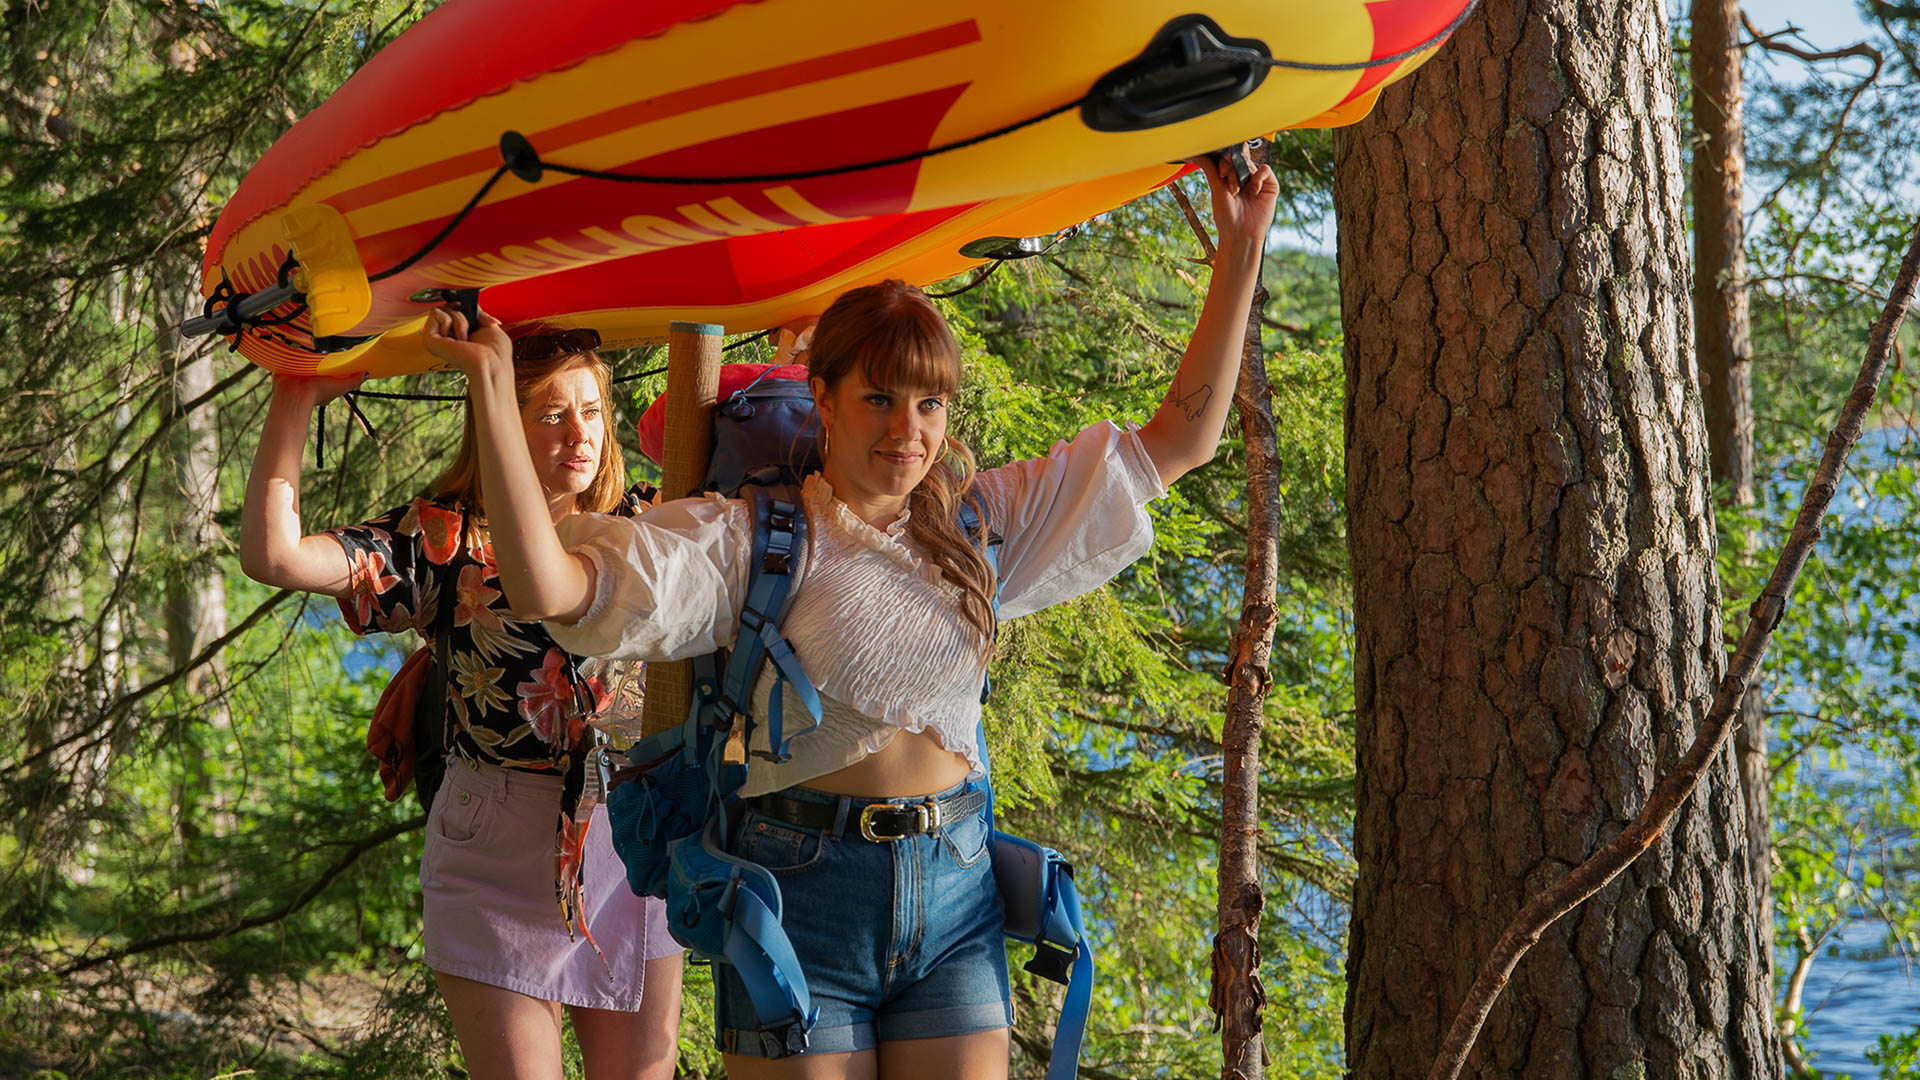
(1238, 999)
(1725, 359)
(1536, 607)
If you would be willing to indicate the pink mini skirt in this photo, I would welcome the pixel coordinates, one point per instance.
(486, 880)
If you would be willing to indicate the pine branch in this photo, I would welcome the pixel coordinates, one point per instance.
(1673, 789)
(120, 707)
(307, 895)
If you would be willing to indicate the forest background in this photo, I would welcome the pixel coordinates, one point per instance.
(199, 878)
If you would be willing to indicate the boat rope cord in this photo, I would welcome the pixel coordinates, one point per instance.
(519, 157)
(981, 275)
(1359, 65)
(352, 397)
(320, 429)
(1191, 45)
(386, 395)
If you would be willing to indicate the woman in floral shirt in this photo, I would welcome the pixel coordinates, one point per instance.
(502, 837)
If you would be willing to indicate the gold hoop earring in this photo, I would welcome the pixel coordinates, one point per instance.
(942, 455)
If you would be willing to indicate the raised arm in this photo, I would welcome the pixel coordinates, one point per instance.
(1185, 431)
(541, 579)
(273, 548)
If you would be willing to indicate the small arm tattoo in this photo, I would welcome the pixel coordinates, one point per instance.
(1195, 404)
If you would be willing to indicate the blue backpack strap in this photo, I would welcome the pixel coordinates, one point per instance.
(779, 535)
(1062, 952)
(1071, 1031)
(759, 951)
(734, 904)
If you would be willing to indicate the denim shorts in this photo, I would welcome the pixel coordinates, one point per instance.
(898, 940)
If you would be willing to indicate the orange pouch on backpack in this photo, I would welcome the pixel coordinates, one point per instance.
(390, 735)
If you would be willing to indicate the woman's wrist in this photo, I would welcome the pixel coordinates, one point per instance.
(486, 370)
(292, 398)
(1241, 253)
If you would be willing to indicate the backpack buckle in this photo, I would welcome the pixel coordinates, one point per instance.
(1051, 962)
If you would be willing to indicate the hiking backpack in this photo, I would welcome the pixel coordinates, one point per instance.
(671, 815)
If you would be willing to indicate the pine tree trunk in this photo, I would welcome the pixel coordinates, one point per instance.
(1725, 358)
(1720, 265)
(1537, 623)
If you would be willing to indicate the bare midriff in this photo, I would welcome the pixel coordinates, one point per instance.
(913, 763)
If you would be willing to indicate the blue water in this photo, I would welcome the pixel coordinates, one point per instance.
(1854, 998)
(1861, 985)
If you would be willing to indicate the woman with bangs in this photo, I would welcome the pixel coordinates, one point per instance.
(875, 825)
(514, 879)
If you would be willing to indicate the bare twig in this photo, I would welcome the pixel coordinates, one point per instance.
(1772, 43)
(1193, 219)
(1861, 49)
(1673, 789)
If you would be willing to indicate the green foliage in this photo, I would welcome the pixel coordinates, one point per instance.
(1897, 1055)
(199, 878)
(1831, 166)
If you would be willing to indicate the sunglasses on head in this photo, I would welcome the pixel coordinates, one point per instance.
(535, 347)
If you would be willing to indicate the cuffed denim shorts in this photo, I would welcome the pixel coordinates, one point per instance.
(899, 939)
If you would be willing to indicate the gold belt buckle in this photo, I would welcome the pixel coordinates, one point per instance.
(926, 817)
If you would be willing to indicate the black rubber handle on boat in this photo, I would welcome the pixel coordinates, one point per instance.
(466, 302)
(230, 319)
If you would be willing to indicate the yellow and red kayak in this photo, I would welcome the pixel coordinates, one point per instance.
(620, 165)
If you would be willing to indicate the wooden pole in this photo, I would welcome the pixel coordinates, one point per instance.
(693, 381)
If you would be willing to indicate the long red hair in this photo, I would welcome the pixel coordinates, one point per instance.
(894, 336)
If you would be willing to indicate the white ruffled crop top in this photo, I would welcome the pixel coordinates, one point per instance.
(875, 626)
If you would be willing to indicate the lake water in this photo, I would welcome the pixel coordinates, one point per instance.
(1857, 988)
(1851, 1000)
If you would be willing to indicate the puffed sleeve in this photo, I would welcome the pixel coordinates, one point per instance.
(668, 584)
(1071, 520)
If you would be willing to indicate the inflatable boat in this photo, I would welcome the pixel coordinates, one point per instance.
(620, 165)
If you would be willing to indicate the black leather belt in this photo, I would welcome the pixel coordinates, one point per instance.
(880, 822)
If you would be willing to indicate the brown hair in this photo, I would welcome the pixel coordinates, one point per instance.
(894, 336)
(531, 378)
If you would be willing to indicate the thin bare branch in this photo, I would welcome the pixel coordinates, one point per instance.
(1193, 218)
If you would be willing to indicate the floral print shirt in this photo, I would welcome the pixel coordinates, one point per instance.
(511, 690)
